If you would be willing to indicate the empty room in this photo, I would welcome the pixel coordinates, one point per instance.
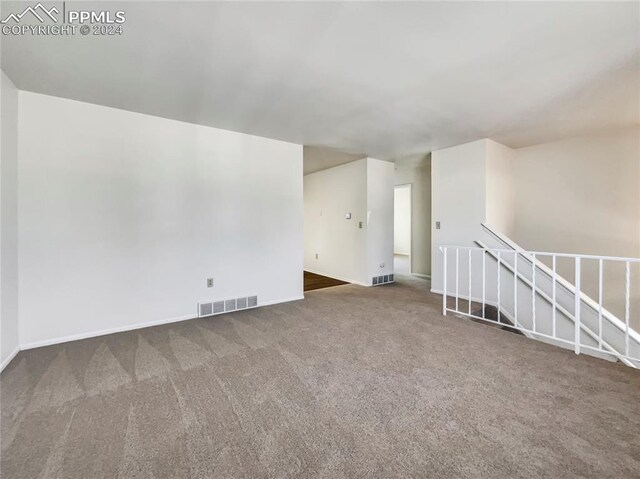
(319, 239)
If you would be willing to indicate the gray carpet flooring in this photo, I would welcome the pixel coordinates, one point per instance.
(349, 382)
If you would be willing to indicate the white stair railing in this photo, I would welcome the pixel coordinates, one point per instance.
(534, 299)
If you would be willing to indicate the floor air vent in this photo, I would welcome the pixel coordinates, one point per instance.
(387, 278)
(210, 308)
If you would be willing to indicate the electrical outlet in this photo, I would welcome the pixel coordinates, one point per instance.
(360, 224)
(316, 255)
(437, 225)
(209, 282)
(382, 265)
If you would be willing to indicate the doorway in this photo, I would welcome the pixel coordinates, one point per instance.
(402, 229)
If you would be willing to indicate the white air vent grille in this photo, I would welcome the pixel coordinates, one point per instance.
(208, 308)
(205, 309)
(387, 278)
(218, 307)
(230, 305)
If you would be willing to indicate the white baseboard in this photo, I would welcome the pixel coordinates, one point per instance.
(278, 301)
(104, 332)
(131, 327)
(9, 358)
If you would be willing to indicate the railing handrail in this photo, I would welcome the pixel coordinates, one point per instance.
(546, 253)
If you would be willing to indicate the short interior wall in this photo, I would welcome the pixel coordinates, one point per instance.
(337, 246)
(9, 329)
(458, 200)
(379, 223)
(334, 245)
(124, 216)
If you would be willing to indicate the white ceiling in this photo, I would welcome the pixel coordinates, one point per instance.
(385, 79)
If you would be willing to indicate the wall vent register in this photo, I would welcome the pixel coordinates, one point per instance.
(387, 278)
(210, 308)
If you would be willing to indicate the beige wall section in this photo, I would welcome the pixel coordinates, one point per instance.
(416, 171)
(582, 195)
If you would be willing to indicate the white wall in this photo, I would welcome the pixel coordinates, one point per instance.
(402, 220)
(500, 187)
(416, 170)
(123, 216)
(458, 199)
(379, 218)
(8, 221)
(345, 251)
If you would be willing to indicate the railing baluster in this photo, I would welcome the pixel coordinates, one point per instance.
(499, 267)
(554, 305)
(533, 292)
(600, 271)
(577, 308)
(457, 278)
(484, 280)
(540, 294)
(444, 284)
(627, 296)
(515, 288)
(469, 282)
